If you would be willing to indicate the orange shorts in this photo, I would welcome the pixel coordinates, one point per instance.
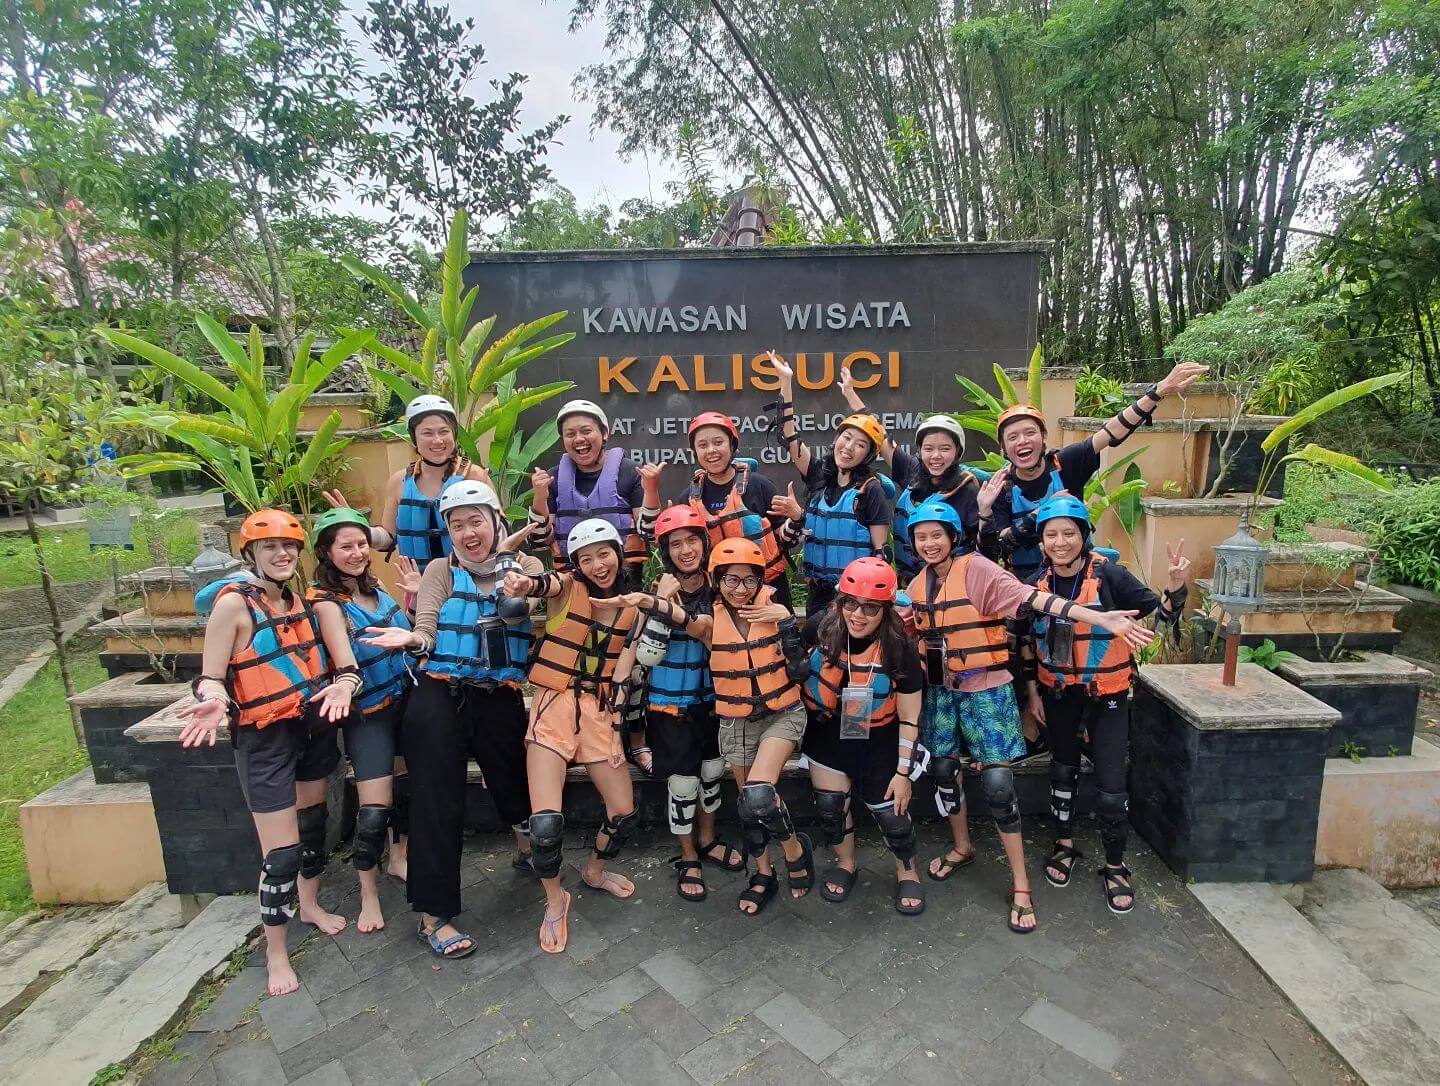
(574, 728)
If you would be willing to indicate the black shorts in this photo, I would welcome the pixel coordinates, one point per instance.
(371, 740)
(271, 759)
(869, 762)
(680, 743)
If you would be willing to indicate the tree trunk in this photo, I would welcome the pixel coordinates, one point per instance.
(57, 626)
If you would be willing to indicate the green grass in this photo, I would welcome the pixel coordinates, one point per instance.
(37, 749)
(68, 554)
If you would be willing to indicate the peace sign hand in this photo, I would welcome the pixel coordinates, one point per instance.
(1179, 565)
(991, 491)
(335, 498)
(783, 370)
(514, 539)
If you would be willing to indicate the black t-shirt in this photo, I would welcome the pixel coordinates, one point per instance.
(964, 501)
(700, 602)
(627, 483)
(873, 507)
(1120, 590)
(759, 492)
(1078, 464)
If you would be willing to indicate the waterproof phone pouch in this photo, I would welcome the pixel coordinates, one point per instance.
(855, 712)
(1060, 640)
(934, 661)
(493, 651)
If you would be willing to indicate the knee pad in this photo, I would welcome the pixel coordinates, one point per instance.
(766, 808)
(753, 832)
(949, 794)
(1113, 810)
(1064, 781)
(547, 833)
(277, 885)
(898, 829)
(371, 822)
(400, 813)
(712, 773)
(831, 809)
(618, 830)
(684, 795)
(999, 783)
(312, 840)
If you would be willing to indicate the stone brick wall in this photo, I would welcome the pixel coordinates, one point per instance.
(1380, 718)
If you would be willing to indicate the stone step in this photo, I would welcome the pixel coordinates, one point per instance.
(1355, 1015)
(1390, 942)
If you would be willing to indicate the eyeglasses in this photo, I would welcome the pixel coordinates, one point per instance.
(869, 610)
(732, 581)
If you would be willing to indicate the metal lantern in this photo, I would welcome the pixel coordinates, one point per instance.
(1238, 586)
(212, 563)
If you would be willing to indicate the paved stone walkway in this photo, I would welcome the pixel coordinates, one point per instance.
(655, 990)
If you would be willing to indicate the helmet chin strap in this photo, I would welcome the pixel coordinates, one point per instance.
(435, 464)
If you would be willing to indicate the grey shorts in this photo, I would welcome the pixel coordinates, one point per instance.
(370, 742)
(271, 759)
(740, 737)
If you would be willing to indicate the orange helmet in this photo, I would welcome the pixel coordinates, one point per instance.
(714, 418)
(868, 425)
(736, 552)
(870, 579)
(270, 524)
(1019, 411)
(677, 517)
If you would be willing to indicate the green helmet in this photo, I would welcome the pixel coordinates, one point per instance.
(334, 517)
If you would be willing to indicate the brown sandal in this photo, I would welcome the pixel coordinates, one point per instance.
(948, 866)
(1021, 910)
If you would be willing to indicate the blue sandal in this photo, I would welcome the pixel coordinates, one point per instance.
(440, 946)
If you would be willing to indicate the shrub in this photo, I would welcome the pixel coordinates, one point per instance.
(1098, 395)
(1315, 495)
(1406, 526)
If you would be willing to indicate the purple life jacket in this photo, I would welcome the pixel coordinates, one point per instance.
(604, 501)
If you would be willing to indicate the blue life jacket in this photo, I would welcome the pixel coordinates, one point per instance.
(205, 598)
(456, 656)
(419, 532)
(1026, 560)
(835, 535)
(682, 679)
(385, 671)
(907, 562)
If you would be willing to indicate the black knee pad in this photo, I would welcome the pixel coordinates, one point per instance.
(400, 813)
(547, 834)
(618, 830)
(712, 773)
(831, 809)
(949, 793)
(765, 806)
(999, 783)
(1064, 783)
(371, 822)
(277, 885)
(312, 840)
(754, 835)
(1113, 811)
(898, 829)
(684, 795)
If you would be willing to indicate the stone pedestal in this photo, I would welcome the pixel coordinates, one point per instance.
(1225, 781)
(1382, 816)
(108, 709)
(1317, 623)
(1377, 696)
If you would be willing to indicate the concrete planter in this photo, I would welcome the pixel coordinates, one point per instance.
(1376, 695)
(108, 709)
(1313, 567)
(1225, 781)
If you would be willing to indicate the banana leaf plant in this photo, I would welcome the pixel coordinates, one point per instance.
(513, 453)
(455, 360)
(1124, 498)
(985, 415)
(251, 445)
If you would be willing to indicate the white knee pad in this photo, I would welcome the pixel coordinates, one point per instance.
(712, 773)
(684, 793)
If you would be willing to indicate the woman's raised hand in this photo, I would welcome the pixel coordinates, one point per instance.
(202, 721)
(335, 498)
(407, 575)
(991, 491)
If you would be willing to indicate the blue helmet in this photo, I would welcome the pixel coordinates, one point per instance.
(1063, 506)
(938, 512)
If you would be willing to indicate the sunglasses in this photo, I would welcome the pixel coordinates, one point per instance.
(732, 581)
(869, 610)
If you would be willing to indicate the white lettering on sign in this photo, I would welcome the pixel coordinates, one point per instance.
(813, 316)
(691, 318)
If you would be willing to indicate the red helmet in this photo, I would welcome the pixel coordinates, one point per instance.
(714, 418)
(677, 517)
(870, 579)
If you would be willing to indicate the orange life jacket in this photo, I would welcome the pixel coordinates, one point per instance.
(828, 677)
(567, 659)
(730, 522)
(973, 642)
(1099, 661)
(748, 670)
(283, 666)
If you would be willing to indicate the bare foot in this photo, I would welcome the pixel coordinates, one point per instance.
(611, 883)
(371, 918)
(555, 930)
(327, 923)
(398, 866)
(283, 980)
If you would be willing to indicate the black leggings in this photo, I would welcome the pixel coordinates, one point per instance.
(1107, 721)
(444, 728)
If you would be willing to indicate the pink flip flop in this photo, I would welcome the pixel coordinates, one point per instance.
(607, 885)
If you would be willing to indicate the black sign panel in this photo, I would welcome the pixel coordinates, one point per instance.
(663, 335)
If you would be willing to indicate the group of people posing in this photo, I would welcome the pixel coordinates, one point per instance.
(948, 614)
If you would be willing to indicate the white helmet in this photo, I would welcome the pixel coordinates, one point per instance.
(428, 405)
(583, 407)
(946, 425)
(589, 532)
(467, 492)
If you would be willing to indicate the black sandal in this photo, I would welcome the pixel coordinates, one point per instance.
(687, 873)
(1063, 860)
(909, 888)
(761, 889)
(727, 864)
(805, 863)
(840, 877)
(1114, 888)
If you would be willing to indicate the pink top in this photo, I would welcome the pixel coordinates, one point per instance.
(993, 591)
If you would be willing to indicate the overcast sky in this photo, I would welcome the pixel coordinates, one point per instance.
(531, 37)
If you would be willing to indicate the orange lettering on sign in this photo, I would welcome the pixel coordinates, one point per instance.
(701, 385)
(666, 370)
(614, 374)
(863, 356)
(802, 371)
(894, 358)
(763, 375)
